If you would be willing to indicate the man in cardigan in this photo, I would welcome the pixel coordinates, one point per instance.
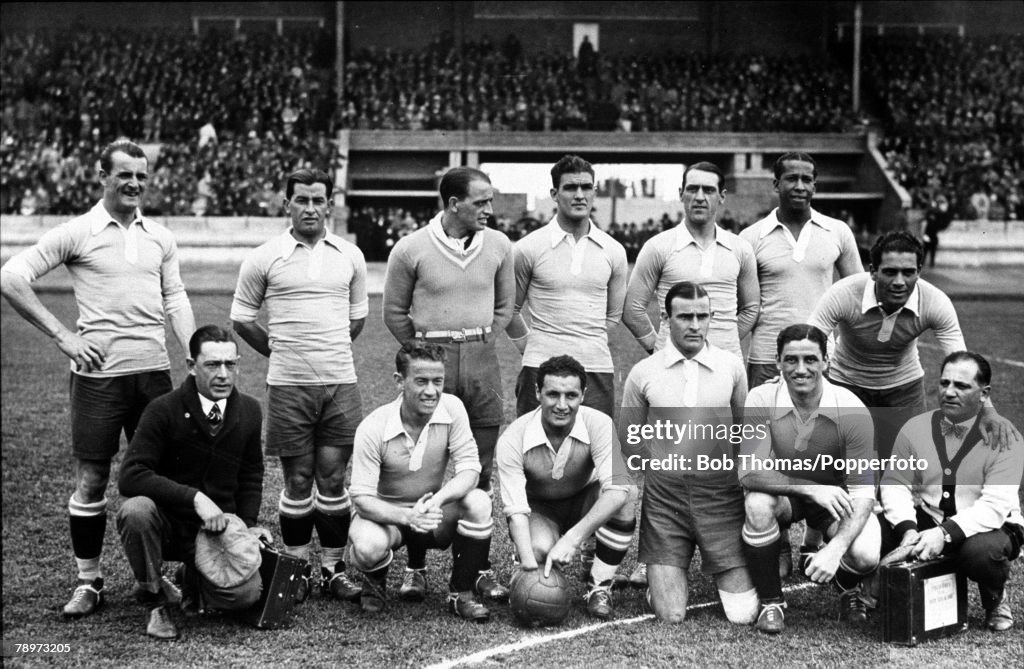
(451, 283)
(964, 501)
(195, 457)
(402, 452)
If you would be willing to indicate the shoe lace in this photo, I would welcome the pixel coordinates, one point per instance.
(773, 613)
(81, 592)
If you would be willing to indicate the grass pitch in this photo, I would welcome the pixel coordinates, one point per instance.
(38, 569)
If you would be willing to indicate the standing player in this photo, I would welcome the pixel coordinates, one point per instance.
(965, 503)
(573, 275)
(452, 283)
(562, 479)
(690, 381)
(879, 315)
(124, 269)
(696, 250)
(402, 452)
(798, 250)
(314, 286)
(806, 417)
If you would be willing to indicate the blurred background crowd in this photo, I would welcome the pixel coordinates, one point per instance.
(231, 117)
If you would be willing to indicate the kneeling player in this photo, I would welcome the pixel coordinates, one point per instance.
(401, 453)
(690, 381)
(808, 418)
(562, 479)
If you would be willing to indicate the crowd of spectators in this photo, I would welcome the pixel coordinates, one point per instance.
(487, 86)
(954, 111)
(231, 116)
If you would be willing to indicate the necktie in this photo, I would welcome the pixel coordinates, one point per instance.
(216, 418)
(690, 377)
(947, 427)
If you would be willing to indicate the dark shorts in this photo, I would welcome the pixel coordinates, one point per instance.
(759, 373)
(599, 394)
(103, 407)
(565, 513)
(301, 419)
(471, 373)
(816, 515)
(703, 511)
(890, 408)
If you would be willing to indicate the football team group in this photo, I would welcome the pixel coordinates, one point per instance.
(832, 369)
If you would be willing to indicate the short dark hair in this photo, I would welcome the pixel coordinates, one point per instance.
(417, 350)
(984, 375)
(705, 166)
(125, 146)
(561, 365)
(455, 183)
(780, 165)
(687, 290)
(570, 164)
(214, 333)
(307, 177)
(799, 332)
(897, 241)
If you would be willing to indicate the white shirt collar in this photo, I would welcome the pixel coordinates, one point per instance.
(868, 301)
(556, 234)
(684, 238)
(207, 404)
(774, 222)
(828, 406)
(101, 218)
(534, 436)
(393, 426)
(286, 244)
(671, 355)
(453, 243)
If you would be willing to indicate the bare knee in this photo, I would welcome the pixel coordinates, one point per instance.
(476, 506)
(369, 544)
(91, 477)
(298, 477)
(759, 509)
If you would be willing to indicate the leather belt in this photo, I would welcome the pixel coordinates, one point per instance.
(455, 336)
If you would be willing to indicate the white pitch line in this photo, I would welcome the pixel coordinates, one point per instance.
(1004, 361)
(540, 639)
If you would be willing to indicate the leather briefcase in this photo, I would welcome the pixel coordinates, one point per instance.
(280, 573)
(921, 601)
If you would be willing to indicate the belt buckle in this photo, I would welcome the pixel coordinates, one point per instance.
(458, 336)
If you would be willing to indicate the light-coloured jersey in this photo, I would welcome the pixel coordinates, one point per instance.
(573, 290)
(794, 273)
(126, 282)
(312, 295)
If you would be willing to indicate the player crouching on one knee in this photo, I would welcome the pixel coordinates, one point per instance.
(563, 479)
(965, 503)
(803, 416)
(401, 453)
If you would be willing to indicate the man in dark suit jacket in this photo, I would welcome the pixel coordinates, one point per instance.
(195, 457)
